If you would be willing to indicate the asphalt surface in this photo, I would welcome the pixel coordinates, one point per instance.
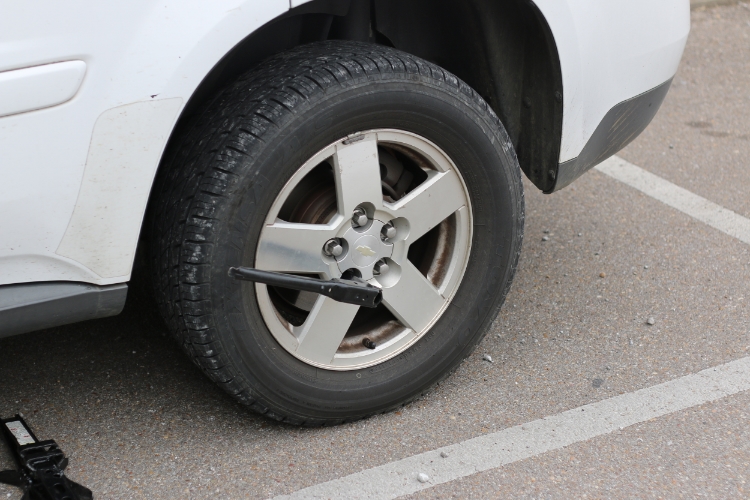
(138, 420)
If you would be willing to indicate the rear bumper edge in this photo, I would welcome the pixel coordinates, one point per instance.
(623, 123)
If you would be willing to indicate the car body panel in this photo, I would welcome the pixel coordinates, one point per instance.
(611, 51)
(73, 197)
(135, 52)
(126, 147)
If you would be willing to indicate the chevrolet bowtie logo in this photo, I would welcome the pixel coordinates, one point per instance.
(365, 251)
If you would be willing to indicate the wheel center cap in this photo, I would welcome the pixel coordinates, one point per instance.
(366, 250)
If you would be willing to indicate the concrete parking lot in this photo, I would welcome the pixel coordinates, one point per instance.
(668, 403)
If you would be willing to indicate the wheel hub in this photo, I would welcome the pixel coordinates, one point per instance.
(365, 249)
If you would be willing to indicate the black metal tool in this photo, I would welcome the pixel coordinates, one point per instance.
(40, 465)
(358, 293)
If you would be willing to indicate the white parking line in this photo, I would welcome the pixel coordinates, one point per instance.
(676, 197)
(490, 451)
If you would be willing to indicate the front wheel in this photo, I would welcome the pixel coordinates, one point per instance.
(337, 159)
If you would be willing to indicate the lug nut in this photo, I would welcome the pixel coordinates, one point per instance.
(359, 218)
(388, 231)
(333, 248)
(369, 344)
(380, 268)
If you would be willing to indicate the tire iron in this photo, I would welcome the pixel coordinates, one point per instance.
(357, 292)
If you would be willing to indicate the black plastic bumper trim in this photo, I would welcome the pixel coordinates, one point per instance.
(623, 123)
(27, 307)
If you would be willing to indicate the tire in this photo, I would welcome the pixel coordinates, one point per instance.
(221, 180)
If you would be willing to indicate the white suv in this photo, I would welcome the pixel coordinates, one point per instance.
(371, 146)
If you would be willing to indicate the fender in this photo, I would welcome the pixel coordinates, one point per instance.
(136, 53)
(610, 52)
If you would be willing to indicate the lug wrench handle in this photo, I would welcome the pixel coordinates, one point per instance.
(354, 292)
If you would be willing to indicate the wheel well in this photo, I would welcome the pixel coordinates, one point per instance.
(503, 49)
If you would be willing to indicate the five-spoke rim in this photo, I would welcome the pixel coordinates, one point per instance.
(410, 236)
